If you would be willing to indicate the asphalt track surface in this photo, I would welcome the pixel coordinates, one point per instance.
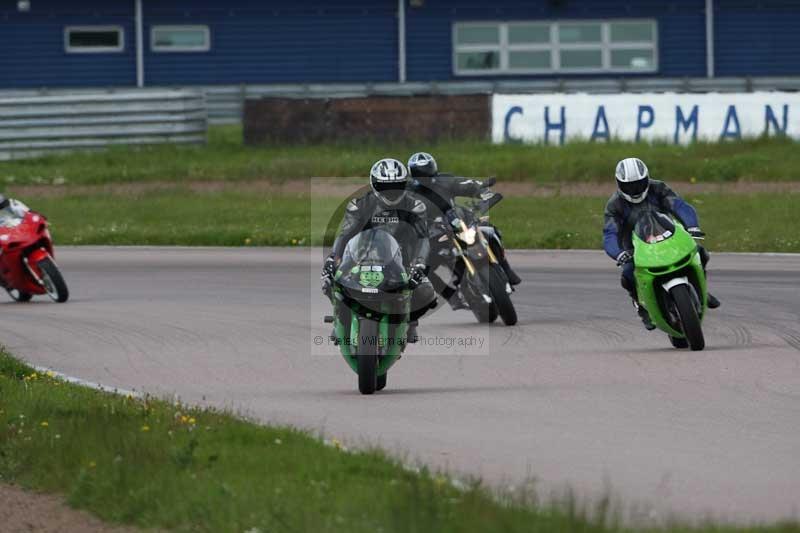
(578, 394)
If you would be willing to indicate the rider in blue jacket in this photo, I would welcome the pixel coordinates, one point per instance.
(637, 192)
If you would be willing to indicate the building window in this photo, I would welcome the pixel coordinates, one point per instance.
(490, 48)
(180, 39)
(477, 47)
(93, 39)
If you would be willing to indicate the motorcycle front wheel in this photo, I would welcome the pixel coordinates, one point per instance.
(53, 281)
(502, 300)
(690, 321)
(367, 356)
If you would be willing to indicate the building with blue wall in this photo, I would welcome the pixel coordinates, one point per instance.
(119, 43)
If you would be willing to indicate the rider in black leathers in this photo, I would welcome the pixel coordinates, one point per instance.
(389, 207)
(439, 190)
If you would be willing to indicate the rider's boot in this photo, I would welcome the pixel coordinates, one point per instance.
(644, 315)
(454, 298)
(411, 334)
(513, 279)
(457, 302)
(713, 302)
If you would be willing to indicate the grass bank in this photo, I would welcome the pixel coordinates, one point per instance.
(151, 463)
(225, 158)
(734, 222)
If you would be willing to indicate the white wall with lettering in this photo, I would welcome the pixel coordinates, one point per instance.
(671, 117)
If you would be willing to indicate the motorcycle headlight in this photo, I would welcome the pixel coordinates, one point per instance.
(468, 235)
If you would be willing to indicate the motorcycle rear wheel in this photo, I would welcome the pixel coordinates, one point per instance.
(381, 382)
(53, 281)
(19, 296)
(690, 321)
(367, 356)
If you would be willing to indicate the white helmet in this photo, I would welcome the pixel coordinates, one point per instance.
(633, 179)
(389, 179)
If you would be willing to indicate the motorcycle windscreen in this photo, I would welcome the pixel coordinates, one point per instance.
(653, 227)
(377, 251)
(9, 219)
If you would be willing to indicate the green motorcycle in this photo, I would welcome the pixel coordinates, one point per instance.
(670, 280)
(371, 306)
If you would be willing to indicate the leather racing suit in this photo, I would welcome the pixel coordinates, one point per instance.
(621, 215)
(407, 222)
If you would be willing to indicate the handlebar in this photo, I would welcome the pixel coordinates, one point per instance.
(488, 203)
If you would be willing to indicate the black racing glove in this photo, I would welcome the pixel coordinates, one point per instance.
(417, 275)
(624, 258)
(452, 218)
(328, 272)
(696, 233)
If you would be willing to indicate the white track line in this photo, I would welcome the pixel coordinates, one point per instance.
(85, 383)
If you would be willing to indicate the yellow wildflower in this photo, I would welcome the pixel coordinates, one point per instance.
(145, 428)
(192, 421)
(92, 464)
(44, 424)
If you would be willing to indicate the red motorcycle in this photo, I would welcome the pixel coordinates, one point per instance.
(27, 266)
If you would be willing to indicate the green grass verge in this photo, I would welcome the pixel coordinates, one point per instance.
(225, 158)
(155, 464)
(734, 223)
(179, 217)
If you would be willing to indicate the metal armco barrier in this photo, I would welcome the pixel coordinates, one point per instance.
(225, 103)
(36, 125)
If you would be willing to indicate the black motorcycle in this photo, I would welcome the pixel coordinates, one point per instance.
(475, 251)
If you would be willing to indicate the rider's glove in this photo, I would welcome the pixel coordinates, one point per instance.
(328, 271)
(696, 233)
(624, 258)
(329, 268)
(454, 220)
(417, 275)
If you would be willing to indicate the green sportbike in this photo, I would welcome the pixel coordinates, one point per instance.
(371, 301)
(670, 280)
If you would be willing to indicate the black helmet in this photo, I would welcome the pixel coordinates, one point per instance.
(422, 165)
(3, 201)
(389, 179)
(633, 179)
